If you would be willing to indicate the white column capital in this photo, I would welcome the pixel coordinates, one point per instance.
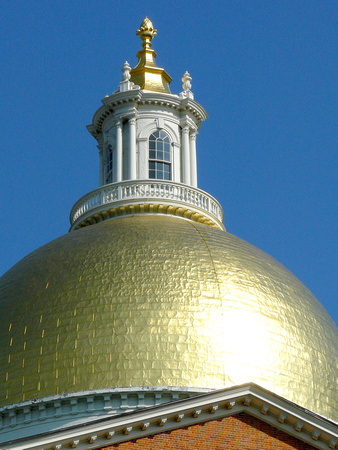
(100, 139)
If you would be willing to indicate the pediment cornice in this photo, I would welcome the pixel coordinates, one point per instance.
(249, 398)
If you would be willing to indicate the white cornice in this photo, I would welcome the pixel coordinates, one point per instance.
(288, 417)
(140, 97)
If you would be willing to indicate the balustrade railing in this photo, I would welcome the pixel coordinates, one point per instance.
(146, 190)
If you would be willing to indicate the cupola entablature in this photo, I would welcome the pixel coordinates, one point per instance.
(119, 100)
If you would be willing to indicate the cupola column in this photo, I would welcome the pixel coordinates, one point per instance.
(101, 175)
(193, 159)
(102, 161)
(132, 149)
(186, 154)
(118, 168)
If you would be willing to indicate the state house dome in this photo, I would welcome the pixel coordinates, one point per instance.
(160, 301)
(148, 299)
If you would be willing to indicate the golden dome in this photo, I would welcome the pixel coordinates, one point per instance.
(159, 301)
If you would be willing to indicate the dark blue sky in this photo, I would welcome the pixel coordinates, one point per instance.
(266, 72)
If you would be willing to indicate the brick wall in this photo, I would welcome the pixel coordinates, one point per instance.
(237, 432)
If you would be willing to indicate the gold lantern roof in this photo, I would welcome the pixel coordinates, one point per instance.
(161, 301)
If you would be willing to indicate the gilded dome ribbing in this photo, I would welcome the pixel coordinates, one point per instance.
(160, 301)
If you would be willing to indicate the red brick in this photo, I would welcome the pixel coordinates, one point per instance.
(232, 433)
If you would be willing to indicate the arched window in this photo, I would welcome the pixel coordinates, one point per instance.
(109, 164)
(159, 156)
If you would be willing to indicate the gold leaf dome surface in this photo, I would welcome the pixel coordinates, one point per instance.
(159, 301)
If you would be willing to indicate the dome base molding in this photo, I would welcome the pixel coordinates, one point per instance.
(47, 414)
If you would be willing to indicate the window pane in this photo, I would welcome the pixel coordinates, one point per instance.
(159, 166)
(160, 175)
(152, 165)
(152, 154)
(166, 156)
(159, 155)
(152, 145)
(152, 174)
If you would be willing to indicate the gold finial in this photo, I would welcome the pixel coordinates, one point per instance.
(146, 32)
(146, 74)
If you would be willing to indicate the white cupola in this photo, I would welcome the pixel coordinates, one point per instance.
(147, 145)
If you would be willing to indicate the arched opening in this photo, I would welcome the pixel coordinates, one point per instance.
(159, 156)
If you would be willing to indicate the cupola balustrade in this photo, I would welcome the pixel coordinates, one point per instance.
(146, 197)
